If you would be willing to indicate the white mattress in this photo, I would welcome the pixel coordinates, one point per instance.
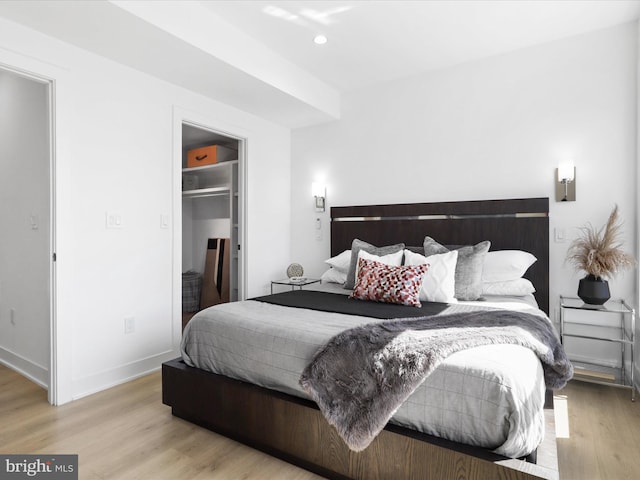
(494, 301)
(489, 396)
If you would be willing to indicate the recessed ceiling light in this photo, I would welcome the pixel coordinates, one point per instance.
(320, 39)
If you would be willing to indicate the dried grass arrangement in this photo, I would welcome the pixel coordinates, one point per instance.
(599, 252)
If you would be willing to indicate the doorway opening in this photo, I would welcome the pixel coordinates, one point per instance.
(27, 213)
(212, 217)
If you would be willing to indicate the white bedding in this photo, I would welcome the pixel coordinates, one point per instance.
(490, 396)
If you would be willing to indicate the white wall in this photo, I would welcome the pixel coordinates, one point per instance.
(24, 216)
(115, 153)
(491, 129)
(203, 218)
(637, 242)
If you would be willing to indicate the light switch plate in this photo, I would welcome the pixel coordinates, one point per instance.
(113, 219)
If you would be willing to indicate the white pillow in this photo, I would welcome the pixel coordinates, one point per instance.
(394, 259)
(518, 287)
(340, 262)
(439, 283)
(505, 265)
(333, 275)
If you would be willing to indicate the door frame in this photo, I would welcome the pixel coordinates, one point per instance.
(182, 116)
(52, 384)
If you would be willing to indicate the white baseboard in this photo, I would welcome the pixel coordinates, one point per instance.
(91, 384)
(612, 364)
(25, 367)
(605, 362)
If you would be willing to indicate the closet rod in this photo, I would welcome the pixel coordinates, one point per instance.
(201, 195)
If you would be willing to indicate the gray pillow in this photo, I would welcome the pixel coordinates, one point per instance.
(468, 269)
(358, 245)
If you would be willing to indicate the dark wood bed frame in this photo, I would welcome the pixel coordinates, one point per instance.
(294, 430)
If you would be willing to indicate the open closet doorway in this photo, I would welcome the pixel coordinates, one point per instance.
(212, 218)
(27, 218)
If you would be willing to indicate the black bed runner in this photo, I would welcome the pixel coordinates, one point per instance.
(337, 303)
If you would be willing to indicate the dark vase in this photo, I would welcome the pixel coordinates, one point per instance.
(594, 290)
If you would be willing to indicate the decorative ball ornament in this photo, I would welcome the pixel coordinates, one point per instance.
(294, 270)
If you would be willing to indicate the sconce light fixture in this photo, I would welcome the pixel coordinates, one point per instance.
(566, 183)
(319, 195)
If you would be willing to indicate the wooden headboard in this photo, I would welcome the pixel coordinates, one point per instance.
(520, 224)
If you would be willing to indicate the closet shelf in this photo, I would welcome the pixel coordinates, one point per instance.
(206, 192)
(213, 166)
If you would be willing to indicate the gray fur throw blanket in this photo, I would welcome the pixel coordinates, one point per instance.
(363, 375)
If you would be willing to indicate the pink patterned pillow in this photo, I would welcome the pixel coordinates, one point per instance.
(388, 283)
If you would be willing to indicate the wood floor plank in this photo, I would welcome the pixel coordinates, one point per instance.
(604, 426)
(127, 433)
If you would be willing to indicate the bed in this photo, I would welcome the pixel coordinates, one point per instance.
(277, 418)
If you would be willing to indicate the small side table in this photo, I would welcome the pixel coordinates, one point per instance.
(294, 283)
(623, 334)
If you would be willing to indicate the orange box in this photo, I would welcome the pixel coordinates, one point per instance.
(210, 155)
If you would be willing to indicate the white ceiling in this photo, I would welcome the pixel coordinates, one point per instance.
(376, 41)
(259, 55)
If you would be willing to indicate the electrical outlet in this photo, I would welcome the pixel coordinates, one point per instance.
(129, 324)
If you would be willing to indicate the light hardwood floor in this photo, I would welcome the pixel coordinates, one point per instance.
(604, 433)
(126, 433)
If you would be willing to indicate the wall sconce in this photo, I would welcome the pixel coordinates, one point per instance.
(319, 195)
(566, 183)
